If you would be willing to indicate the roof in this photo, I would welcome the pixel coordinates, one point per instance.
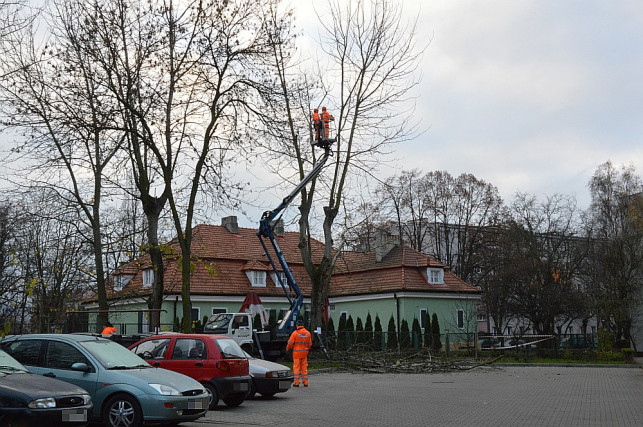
(222, 259)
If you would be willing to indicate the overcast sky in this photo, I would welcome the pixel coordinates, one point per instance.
(527, 95)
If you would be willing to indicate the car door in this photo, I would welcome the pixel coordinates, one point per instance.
(188, 358)
(57, 363)
(153, 350)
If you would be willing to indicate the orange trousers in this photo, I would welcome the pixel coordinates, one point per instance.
(300, 367)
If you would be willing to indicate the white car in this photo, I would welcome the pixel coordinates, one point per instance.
(268, 378)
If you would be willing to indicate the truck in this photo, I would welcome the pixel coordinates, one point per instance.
(272, 343)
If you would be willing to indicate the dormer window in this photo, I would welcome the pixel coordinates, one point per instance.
(148, 277)
(118, 282)
(258, 278)
(275, 278)
(435, 275)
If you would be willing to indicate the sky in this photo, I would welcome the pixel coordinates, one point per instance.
(528, 95)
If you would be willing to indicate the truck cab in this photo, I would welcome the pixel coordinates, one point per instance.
(237, 326)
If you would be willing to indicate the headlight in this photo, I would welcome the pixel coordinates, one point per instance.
(272, 374)
(165, 390)
(48, 402)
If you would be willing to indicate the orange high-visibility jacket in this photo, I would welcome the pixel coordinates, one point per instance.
(327, 117)
(108, 330)
(299, 342)
(315, 118)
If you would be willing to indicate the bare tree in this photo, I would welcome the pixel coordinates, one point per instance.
(372, 59)
(544, 261)
(55, 97)
(616, 257)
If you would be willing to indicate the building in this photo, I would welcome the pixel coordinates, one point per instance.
(391, 280)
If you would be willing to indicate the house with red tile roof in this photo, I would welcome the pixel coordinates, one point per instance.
(229, 262)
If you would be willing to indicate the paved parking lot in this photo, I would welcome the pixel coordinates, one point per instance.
(484, 396)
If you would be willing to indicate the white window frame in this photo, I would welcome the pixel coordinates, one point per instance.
(119, 281)
(259, 278)
(148, 277)
(435, 276)
(459, 314)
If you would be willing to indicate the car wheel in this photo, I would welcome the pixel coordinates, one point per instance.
(267, 394)
(234, 401)
(212, 394)
(122, 410)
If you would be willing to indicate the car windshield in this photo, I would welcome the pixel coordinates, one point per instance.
(218, 323)
(114, 356)
(9, 365)
(229, 348)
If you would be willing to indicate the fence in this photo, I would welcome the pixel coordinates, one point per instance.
(470, 343)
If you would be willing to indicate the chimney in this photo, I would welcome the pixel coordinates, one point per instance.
(384, 242)
(278, 227)
(230, 223)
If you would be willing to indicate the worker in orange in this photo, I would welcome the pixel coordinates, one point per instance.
(108, 330)
(326, 118)
(300, 342)
(316, 123)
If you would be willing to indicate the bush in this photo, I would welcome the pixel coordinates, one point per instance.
(428, 338)
(377, 333)
(435, 332)
(628, 354)
(609, 356)
(416, 333)
(391, 342)
(405, 335)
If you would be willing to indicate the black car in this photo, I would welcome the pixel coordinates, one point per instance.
(27, 399)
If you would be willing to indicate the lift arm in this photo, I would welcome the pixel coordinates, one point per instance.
(287, 324)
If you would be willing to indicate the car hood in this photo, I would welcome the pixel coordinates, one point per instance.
(150, 376)
(263, 366)
(33, 387)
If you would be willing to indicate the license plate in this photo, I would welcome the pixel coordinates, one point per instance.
(74, 415)
(284, 385)
(240, 387)
(196, 404)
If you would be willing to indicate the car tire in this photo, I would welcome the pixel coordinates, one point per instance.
(234, 401)
(212, 393)
(252, 391)
(122, 410)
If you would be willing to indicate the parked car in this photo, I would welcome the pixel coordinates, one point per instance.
(268, 378)
(126, 391)
(216, 361)
(28, 399)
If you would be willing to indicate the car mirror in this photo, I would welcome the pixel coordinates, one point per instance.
(79, 366)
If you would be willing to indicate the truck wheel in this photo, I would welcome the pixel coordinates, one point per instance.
(252, 391)
(212, 393)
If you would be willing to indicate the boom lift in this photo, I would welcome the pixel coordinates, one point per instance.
(272, 345)
(268, 219)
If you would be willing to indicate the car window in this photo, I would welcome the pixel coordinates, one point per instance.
(10, 365)
(61, 355)
(229, 348)
(152, 349)
(112, 355)
(26, 352)
(189, 348)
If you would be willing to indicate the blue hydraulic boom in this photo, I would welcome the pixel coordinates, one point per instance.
(287, 324)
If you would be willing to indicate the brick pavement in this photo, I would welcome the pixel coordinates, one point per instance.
(484, 396)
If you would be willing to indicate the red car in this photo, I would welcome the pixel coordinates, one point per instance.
(216, 361)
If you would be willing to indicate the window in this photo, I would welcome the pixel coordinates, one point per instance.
(283, 278)
(118, 282)
(460, 315)
(143, 323)
(219, 310)
(61, 355)
(482, 317)
(152, 349)
(188, 348)
(423, 315)
(258, 278)
(148, 277)
(194, 315)
(435, 275)
(26, 352)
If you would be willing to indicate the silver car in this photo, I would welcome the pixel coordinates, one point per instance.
(125, 389)
(268, 378)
